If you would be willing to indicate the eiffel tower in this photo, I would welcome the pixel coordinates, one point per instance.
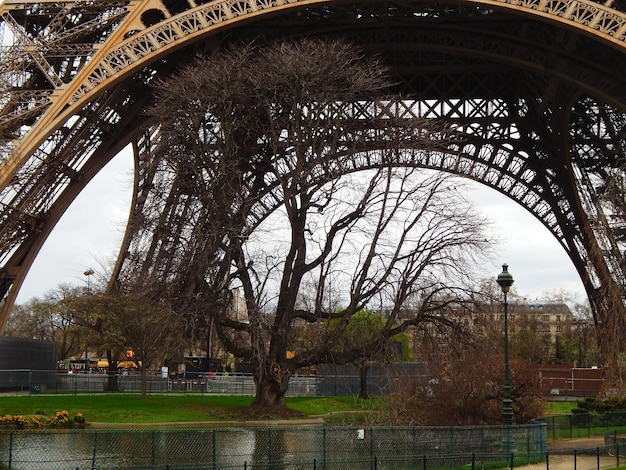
(536, 86)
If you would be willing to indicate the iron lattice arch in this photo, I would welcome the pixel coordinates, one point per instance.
(533, 90)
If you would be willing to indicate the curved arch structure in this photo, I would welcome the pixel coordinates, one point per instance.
(535, 87)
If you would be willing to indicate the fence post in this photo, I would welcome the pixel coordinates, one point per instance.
(324, 448)
(547, 460)
(11, 448)
(95, 447)
(570, 426)
(214, 450)
(473, 460)
(413, 442)
(598, 458)
(575, 458)
(372, 452)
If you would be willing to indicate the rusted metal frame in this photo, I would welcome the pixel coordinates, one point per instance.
(29, 99)
(592, 76)
(14, 270)
(102, 20)
(494, 167)
(174, 216)
(72, 145)
(38, 185)
(31, 44)
(153, 252)
(46, 179)
(53, 117)
(106, 69)
(25, 203)
(49, 46)
(142, 148)
(590, 260)
(164, 34)
(602, 229)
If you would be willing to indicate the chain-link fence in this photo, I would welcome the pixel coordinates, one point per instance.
(272, 448)
(52, 382)
(583, 424)
(330, 380)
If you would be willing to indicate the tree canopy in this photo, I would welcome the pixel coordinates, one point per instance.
(268, 180)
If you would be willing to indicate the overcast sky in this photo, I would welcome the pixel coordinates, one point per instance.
(90, 232)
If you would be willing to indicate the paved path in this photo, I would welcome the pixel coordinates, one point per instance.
(573, 460)
(578, 443)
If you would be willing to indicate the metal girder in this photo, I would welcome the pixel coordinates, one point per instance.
(535, 88)
(137, 41)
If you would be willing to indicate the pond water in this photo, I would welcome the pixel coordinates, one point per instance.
(277, 447)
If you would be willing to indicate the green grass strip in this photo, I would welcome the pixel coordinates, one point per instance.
(123, 408)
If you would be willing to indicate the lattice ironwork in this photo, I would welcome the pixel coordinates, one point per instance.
(532, 89)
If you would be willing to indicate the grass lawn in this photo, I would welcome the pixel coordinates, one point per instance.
(120, 408)
(559, 407)
(130, 408)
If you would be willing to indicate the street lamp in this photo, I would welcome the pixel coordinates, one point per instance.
(88, 273)
(505, 281)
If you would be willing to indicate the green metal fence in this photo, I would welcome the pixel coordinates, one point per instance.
(276, 448)
(583, 424)
(610, 455)
(52, 382)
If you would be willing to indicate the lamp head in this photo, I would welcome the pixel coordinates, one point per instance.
(505, 279)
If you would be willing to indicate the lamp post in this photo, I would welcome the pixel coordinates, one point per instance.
(505, 280)
(88, 273)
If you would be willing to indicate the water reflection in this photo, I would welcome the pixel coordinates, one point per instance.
(269, 448)
(275, 448)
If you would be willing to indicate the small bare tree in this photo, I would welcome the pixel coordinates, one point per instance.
(260, 149)
(131, 321)
(49, 319)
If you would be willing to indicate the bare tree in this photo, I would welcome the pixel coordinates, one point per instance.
(131, 321)
(257, 163)
(49, 319)
(463, 379)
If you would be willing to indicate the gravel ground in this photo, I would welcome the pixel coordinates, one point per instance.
(571, 461)
(579, 443)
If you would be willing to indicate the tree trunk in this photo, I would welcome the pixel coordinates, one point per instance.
(111, 385)
(363, 368)
(271, 386)
(144, 381)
